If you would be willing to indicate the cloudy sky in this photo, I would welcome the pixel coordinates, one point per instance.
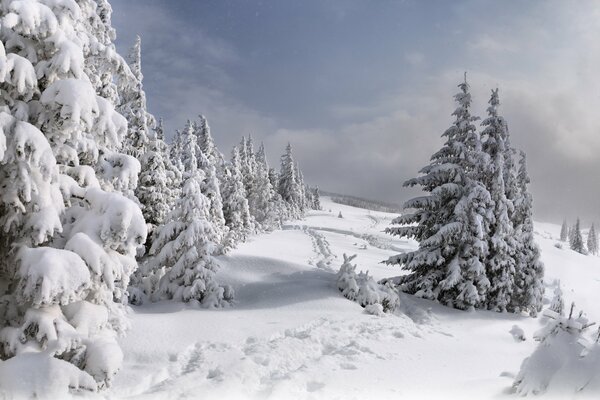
(363, 89)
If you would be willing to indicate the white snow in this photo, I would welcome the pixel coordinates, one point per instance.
(292, 334)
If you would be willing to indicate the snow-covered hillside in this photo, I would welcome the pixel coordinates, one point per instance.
(291, 334)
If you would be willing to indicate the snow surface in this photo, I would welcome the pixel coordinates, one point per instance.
(292, 334)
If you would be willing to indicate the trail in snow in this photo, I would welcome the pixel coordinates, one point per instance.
(293, 335)
(290, 364)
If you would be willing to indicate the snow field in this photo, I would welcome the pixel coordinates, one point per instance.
(292, 335)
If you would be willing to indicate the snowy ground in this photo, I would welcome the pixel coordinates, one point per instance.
(292, 334)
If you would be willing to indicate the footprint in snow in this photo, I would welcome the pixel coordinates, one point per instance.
(313, 386)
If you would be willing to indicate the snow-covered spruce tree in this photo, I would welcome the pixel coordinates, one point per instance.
(210, 184)
(500, 264)
(592, 241)
(208, 146)
(174, 177)
(288, 186)
(133, 105)
(451, 222)
(175, 151)
(301, 188)
(182, 246)
(529, 270)
(69, 237)
(235, 203)
(263, 198)
(316, 205)
(576, 240)
(153, 191)
(564, 231)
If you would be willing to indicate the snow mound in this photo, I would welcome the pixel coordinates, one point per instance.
(35, 375)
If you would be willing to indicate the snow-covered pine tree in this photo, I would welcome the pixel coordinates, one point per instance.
(210, 184)
(500, 263)
(69, 237)
(592, 241)
(576, 241)
(564, 231)
(174, 177)
(288, 186)
(301, 187)
(235, 203)
(133, 105)
(175, 151)
(316, 205)
(153, 189)
(209, 148)
(450, 222)
(529, 270)
(182, 245)
(262, 199)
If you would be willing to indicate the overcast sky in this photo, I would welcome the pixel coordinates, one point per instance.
(363, 89)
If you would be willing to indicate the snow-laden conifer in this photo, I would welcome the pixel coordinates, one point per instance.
(235, 203)
(592, 241)
(451, 221)
(210, 183)
(288, 186)
(183, 247)
(576, 239)
(133, 105)
(69, 236)
(529, 270)
(564, 231)
(262, 198)
(500, 264)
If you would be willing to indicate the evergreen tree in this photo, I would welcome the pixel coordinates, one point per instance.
(288, 186)
(262, 198)
(183, 246)
(235, 203)
(502, 245)
(451, 222)
(529, 271)
(576, 242)
(592, 241)
(564, 231)
(133, 105)
(173, 174)
(153, 189)
(69, 236)
(209, 148)
(210, 184)
(316, 199)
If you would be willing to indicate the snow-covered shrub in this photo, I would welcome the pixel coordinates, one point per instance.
(517, 333)
(346, 278)
(363, 289)
(565, 362)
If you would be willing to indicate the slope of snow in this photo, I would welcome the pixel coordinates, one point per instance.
(291, 333)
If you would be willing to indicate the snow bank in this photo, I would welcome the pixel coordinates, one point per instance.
(35, 375)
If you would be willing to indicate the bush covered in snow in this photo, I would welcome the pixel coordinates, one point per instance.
(363, 289)
(567, 360)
